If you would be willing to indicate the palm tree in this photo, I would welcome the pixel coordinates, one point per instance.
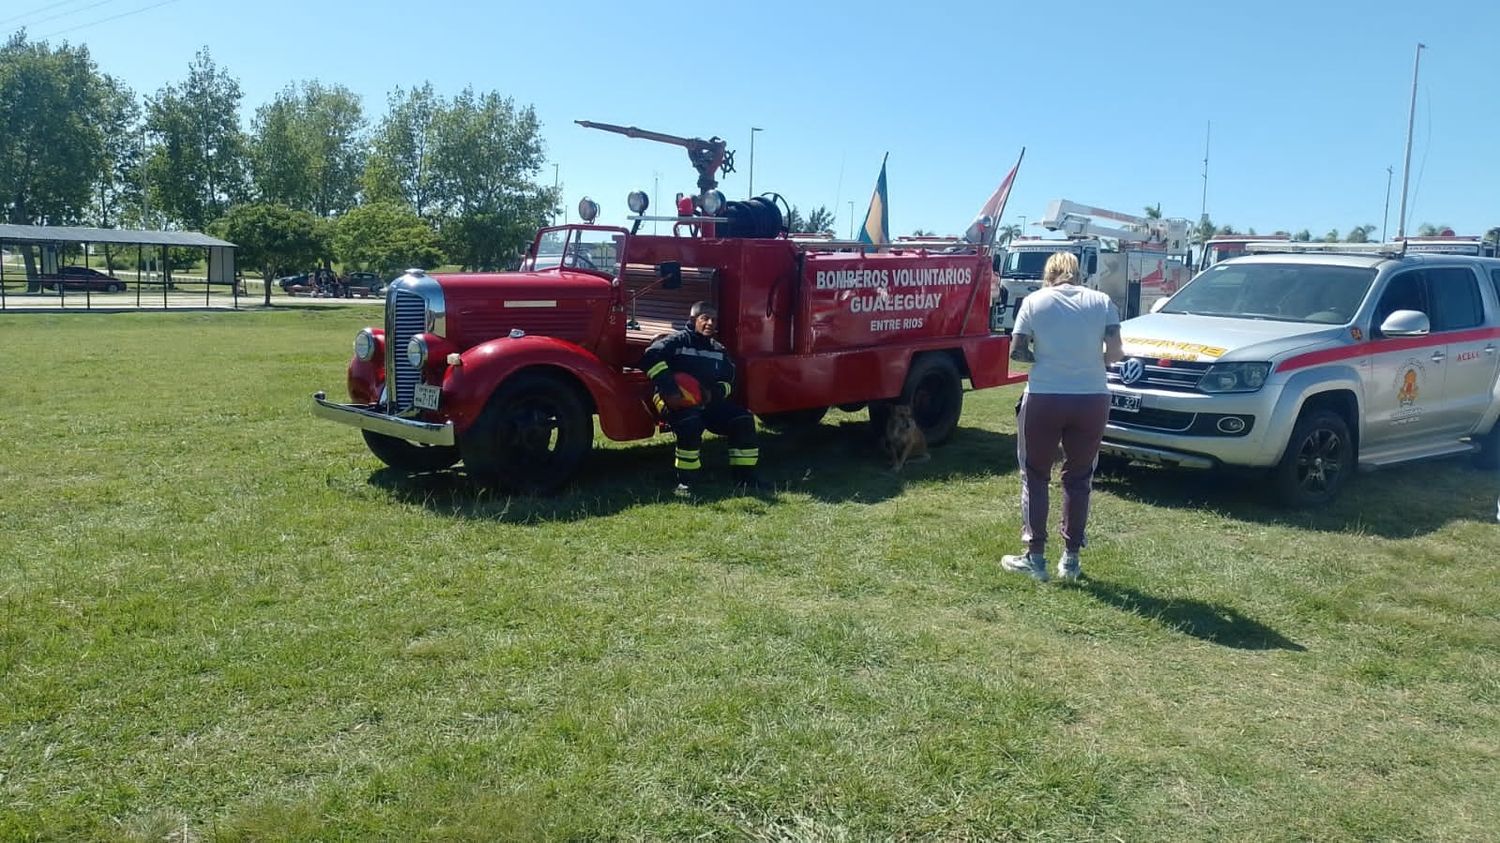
(1007, 233)
(1153, 212)
(1332, 236)
(1359, 234)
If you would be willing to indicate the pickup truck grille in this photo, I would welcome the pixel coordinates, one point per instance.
(1181, 375)
(406, 316)
(1146, 417)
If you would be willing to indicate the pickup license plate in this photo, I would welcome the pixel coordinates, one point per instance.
(426, 396)
(1126, 402)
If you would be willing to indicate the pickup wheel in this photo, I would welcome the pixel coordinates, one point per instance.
(1318, 459)
(1488, 456)
(936, 396)
(531, 437)
(409, 456)
(793, 421)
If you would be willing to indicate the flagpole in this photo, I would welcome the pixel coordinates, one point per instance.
(1411, 121)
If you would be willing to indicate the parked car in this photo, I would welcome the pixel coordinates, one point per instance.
(1312, 365)
(82, 278)
(286, 283)
(364, 284)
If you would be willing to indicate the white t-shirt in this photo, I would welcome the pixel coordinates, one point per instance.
(1066, 325)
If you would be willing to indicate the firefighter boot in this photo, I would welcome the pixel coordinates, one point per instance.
(745, 478)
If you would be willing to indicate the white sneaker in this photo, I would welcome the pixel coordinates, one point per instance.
(1034, 564)
(1069, 567)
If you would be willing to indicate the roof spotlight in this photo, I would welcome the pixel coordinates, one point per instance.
(638, 201)
(588, 210)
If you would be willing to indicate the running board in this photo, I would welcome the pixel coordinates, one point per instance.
(1371, 462)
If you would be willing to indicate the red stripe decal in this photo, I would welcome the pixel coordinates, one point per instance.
(1360, 349)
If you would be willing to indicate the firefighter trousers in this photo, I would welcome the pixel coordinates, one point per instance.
(721, 417)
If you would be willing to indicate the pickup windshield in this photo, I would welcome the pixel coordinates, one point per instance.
(596, 250)
(1279, 292)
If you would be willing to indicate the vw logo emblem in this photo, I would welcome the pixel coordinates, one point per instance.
(1131, 371)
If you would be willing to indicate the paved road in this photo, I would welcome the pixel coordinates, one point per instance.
(152, 300)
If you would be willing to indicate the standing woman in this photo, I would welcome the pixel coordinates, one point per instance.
(1070, 335)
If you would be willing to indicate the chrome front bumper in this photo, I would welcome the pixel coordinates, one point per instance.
(370, 417)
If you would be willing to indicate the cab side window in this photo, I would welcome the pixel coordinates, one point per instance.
(1403, 292)
(1456, 305)
(1495, 279)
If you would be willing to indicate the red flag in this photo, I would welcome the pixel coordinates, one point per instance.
(996, 206)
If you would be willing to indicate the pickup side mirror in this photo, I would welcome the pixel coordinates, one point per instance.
(1406, 323)
(1159, 304)
(670, 273)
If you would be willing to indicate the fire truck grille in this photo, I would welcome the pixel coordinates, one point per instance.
(406, 319)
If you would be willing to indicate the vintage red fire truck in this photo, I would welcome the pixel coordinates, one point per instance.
(507, 371)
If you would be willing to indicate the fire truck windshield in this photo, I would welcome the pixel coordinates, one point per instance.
(1025, 264)
(579, 248)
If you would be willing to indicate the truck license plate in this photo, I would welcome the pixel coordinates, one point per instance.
(426, 397)
(1127, 402)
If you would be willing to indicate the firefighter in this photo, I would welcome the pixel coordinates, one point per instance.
(695, 353)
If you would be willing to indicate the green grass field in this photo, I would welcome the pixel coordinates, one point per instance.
(220, 619)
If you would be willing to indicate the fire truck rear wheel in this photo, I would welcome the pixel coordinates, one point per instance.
(409, 456)
(935, 391)
(532, 436)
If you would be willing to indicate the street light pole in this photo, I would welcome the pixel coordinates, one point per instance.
(556, 197)
(753, 130)
(1411, 121)
(851, 219)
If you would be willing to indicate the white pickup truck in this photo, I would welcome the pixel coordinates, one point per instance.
(1313, 364)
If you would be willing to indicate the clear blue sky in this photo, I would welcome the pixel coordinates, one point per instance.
(1308, 100)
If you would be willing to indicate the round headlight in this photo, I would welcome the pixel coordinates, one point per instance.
(416, 352)
(712, 202)
(588, 210)
(364, 345)
(638, 201)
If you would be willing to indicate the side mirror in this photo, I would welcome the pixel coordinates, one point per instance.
(670, 273)
(1406, 323)
(1157, 305)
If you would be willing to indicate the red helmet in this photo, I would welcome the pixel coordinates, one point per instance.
(691, 390)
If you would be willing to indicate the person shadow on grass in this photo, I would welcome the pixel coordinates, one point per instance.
(1202, 620)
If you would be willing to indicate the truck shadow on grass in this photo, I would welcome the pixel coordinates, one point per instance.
(833, 462)
(1204, 621)
(1394, 503)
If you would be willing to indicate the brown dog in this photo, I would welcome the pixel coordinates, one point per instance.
(903, 440)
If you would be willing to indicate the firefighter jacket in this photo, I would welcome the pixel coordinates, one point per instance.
(689, 352)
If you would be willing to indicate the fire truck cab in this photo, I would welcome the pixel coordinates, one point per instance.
(507, 371)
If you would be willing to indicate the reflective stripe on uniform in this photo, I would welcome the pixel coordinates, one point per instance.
(727, 388)
(687, 460)
(696, 352)
(657, 369)
(744, 456)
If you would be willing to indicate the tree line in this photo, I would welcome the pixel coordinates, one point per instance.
(434, 180)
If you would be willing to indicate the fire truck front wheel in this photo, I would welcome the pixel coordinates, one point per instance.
(935, 392)
(532, 436)
(409, 456)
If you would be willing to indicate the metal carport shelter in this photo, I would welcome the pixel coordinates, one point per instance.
(50, 239)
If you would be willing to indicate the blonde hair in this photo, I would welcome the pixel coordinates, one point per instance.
(1062, 268)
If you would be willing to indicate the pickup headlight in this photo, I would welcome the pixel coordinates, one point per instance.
(1234, 377)
(416, 352)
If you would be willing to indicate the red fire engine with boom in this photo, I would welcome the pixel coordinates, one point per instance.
(507, 371)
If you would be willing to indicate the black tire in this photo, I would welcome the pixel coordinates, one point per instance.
(114, 288)
(409, 456)
(793, 421)
(1318, 460)
(1488, 457)
(1110, 465)
(532, 436)
(936, 395)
